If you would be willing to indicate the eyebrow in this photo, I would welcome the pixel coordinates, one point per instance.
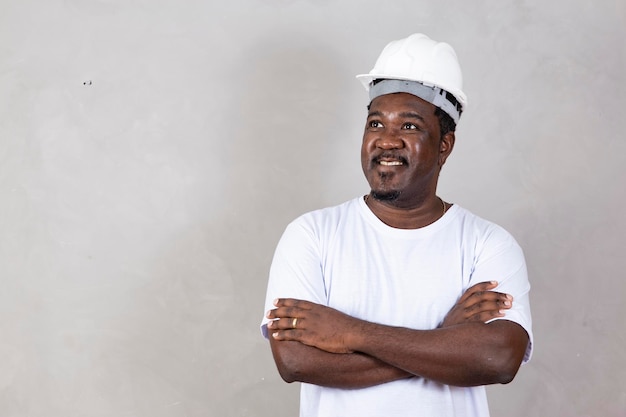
(409, 115)
(412, 115)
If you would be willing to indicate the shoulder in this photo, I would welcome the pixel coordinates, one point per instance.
(479, 225)
(484, 233)
(314, 231)
(325, 219)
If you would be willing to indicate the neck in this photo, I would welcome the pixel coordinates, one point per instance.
(418, 215)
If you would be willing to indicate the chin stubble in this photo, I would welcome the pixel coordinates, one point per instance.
(386, 195)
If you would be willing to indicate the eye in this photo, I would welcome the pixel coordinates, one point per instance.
(374, 124)
(410, 126)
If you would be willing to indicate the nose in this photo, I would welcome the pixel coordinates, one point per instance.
(389, 140)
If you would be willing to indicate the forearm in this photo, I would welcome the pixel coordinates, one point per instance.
(298, 362)
(466, 354)
(463, 355)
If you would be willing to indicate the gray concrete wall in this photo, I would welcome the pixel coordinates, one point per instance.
(151, 153)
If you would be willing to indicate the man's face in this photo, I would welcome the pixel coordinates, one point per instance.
(402, 153)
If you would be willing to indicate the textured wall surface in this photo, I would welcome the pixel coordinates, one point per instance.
(152, 151)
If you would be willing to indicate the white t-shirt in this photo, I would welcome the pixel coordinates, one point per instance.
(346, 258)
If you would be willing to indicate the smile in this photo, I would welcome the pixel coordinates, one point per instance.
(390, 163)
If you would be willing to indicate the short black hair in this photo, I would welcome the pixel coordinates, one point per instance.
(446, 124)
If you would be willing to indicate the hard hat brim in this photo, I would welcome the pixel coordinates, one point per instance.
(366, 80)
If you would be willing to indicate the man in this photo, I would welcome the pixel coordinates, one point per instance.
(388, 305)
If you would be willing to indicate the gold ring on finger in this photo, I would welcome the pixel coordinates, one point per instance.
(294, 322)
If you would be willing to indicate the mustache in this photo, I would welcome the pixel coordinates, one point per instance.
(390, 155)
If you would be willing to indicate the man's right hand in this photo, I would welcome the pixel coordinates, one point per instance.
(478, 304)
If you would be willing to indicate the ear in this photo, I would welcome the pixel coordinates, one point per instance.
(446, 144)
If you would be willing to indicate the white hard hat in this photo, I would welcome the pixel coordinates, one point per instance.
(420, 66)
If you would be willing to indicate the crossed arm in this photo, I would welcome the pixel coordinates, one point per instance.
(330, 348)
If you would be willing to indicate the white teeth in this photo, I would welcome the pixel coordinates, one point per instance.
(390, 163)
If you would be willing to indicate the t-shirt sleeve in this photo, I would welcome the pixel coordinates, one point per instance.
(501, 259)
(296, 270)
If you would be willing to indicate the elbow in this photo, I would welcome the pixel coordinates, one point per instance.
(285, 374)
(287, 363)
(506, 375)
(504, 365)
(288, 375)
(508, 353)
(293, 370)
(288, 369)
(495, 371)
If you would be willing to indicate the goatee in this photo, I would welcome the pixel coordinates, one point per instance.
(386, 195)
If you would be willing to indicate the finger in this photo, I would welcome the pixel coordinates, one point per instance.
(480, 287)
(285, 334)
(292, 302)
(491, 304)
(286, 312)
(287, 323)
(484, 312)
(485, 316)
(502, 299)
